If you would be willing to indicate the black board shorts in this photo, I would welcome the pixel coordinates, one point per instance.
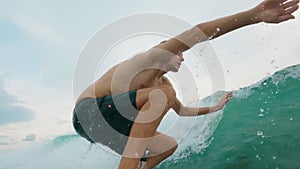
(106, 120)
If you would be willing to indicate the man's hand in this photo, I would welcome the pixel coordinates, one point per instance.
(276, 11)
(222, 102)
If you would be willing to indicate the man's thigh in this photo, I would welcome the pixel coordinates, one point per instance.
(143, 95)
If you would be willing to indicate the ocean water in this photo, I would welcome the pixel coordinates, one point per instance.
(258, 129)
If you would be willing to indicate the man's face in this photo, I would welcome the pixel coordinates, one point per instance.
(175, 62)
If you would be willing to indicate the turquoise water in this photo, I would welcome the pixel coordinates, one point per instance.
(258, 129)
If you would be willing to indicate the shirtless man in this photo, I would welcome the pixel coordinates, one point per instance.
(124, 108)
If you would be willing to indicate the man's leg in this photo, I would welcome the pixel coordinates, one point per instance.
(153, 104)
(161, 147)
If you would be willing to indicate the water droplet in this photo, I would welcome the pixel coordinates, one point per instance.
(291, 119)
(272, 61)
(218, 29)
(261, 115)
(261, 142)
(258, 157)
(261, 110)
(274, 157)
(264, 83)
(260, 133)
(90, 129)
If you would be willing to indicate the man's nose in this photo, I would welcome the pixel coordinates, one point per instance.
(180, 56)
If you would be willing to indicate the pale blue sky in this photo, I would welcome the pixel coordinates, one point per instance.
(40, 41)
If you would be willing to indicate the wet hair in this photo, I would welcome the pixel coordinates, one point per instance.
(166, 41)
(163, 41)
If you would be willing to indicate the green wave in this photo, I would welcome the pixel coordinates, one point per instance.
(259, 128)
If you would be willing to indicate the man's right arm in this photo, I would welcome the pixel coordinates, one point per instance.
(269, 11)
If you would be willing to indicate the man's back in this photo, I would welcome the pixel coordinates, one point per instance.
(136, 73)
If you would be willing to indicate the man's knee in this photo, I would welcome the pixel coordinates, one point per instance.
(175, 145)
(172, 145)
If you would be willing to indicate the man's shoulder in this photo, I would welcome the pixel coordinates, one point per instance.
(166, 81)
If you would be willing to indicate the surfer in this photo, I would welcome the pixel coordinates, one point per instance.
(124, 107)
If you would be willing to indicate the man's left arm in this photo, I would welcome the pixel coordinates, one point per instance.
(182, 110)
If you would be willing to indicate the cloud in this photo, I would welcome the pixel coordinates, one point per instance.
(3, 137)
(30, 137)
(10, 108)
(38, 29)
(5, 140)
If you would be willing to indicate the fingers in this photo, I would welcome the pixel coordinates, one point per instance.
(227, 100)
(281, 1)
(291, 9)
(228, 94)
(288, 8)
(290, 4)
(223, 101)
(285, 18)
(227, 97)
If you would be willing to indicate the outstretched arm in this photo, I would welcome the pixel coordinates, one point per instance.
(182, 110)
(268, 11)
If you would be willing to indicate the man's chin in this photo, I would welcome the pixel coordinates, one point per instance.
(175, 70)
